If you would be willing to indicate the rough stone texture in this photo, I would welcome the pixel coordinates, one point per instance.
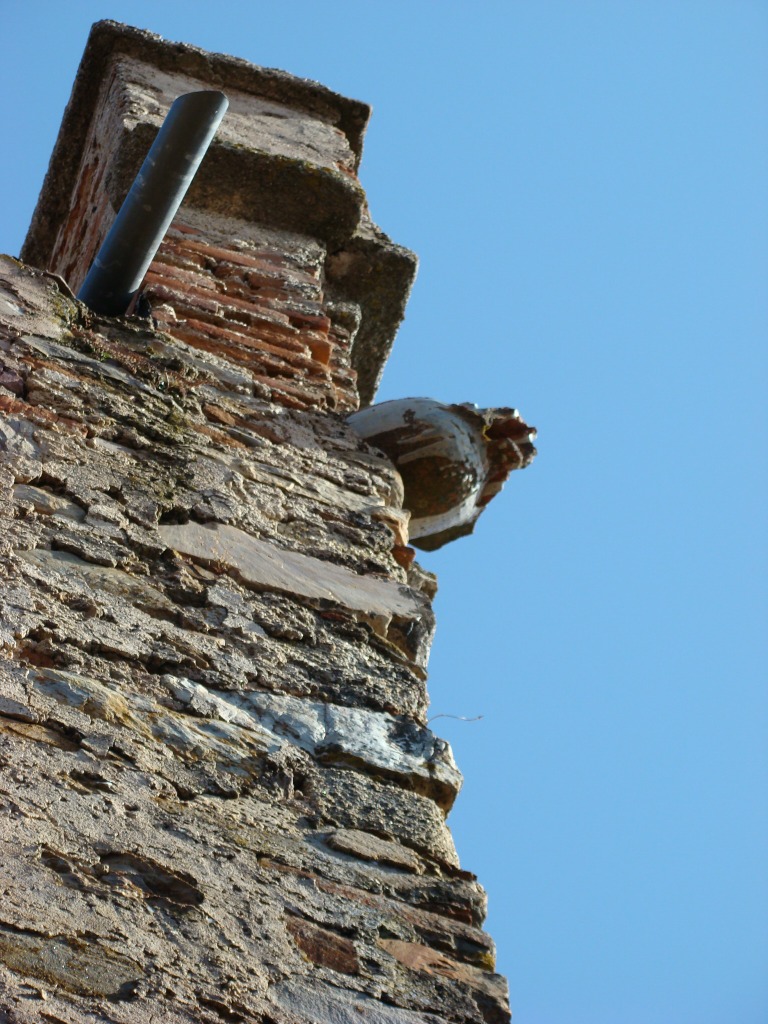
(219, 799)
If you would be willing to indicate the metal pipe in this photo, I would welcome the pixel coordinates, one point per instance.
(150, 206)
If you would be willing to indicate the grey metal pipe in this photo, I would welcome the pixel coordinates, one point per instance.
(150, 206)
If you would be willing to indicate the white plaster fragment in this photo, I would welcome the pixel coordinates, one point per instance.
(238, 616)
(252, 122)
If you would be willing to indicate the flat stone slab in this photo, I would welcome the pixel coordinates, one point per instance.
(387, 744)
(265, 565)
(369, 847)
(320, 1004)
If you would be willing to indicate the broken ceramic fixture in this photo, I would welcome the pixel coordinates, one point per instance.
(453, 459)
(150, 206)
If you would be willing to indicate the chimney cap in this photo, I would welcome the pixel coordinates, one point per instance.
(364, 266)
(110, 39)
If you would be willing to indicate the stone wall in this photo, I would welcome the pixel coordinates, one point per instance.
(219, 798)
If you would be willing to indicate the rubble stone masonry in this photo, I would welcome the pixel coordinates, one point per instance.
(219, 798)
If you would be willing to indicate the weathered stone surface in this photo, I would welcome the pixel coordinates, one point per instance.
(322, 947)
(264, 565)
(219, 798)
(491, 989)
(69, 964)
(375, 742)
(224, 748)
(369, 847)
(316, 1004)
(45, 502)
(343, 797)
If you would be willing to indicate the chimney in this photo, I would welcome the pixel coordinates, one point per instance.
(272, 262)
(227, 802)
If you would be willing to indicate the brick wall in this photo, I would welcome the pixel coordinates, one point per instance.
(263, 307)
(278, 186)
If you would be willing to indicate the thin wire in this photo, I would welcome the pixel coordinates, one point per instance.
(459, 718)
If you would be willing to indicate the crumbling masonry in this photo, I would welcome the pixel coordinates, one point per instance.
(219, 800)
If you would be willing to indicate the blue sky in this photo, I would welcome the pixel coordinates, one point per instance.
(585, 186)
